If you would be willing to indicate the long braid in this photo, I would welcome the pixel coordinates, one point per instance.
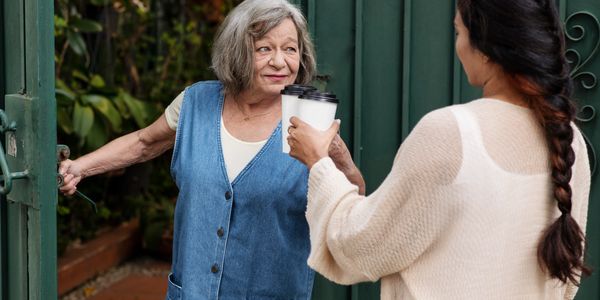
(561, 249)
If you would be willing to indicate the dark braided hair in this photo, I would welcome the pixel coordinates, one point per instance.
(525, 37)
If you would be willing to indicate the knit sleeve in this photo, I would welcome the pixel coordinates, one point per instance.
(356, 238)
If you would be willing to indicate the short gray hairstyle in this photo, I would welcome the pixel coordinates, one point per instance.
(233, 48)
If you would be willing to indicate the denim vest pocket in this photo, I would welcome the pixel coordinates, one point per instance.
(174, 289)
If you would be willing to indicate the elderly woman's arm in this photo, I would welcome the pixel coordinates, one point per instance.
(340, 155)
(133, 148)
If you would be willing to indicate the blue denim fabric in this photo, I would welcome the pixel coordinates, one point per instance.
(262, 250)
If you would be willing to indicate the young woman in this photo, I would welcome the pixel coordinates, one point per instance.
(486, 200)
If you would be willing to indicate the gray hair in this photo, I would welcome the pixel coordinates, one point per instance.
(233, 49)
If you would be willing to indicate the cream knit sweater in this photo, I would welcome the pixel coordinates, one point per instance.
(459, 216)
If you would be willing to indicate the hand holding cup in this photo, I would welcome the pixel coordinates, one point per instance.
(307, 144)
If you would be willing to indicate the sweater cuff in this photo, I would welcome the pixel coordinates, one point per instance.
(321, 179)
(327, 187)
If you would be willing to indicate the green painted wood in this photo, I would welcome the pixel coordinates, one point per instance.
(3, 215)
(15, 44)
(358, 80)
(39, 23)
(30, 227)
(406, 68)
(17, 249)
(430, 81)
(16, 215)
(562, 6)
(311, 12)
(382, 73)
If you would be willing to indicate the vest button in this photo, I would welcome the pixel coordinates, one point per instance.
(214, 268)
(227, 195)
(220, 232)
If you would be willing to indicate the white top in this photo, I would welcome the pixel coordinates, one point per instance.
(236, 153)
(172, 111)
(459, 216)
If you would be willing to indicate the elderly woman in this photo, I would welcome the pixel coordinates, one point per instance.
(240, 228)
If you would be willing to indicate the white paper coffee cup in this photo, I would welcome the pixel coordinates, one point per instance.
(289, 108)
(317, 109)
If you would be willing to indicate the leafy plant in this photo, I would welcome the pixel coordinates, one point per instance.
(118, 64)
(94, 114)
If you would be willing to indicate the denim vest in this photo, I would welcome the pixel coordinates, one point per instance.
(247, 239)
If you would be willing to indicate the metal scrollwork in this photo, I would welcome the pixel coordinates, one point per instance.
(587, 80)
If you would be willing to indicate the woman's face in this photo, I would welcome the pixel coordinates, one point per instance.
(276, 58)
(473, 61)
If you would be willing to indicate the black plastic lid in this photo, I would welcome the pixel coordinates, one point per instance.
(297, 89)
(320, 96)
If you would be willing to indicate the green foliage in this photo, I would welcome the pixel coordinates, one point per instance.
(118, 64)
(93, 114)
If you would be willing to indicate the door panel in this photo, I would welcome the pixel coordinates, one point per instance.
(29, 210)
(16, 226)
(3, 215)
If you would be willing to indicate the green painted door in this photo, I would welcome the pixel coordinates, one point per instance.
(28, 204)
(392, 61)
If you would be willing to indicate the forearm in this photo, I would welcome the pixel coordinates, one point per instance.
(133, 148)
(119, 153)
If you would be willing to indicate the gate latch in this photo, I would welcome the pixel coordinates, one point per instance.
(62, 153)
(7, 176)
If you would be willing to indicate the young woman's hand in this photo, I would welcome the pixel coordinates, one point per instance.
(309, 145)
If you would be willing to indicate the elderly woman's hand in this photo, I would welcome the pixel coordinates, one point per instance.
(71, 173)
(309, 145)
(339, 153)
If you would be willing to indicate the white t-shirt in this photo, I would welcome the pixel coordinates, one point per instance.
(236, 153)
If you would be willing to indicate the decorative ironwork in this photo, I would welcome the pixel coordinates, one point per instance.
(587, 80)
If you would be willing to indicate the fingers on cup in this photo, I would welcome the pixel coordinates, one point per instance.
(335, 126)
(296, 122)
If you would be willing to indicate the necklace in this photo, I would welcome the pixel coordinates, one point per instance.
(248, 117)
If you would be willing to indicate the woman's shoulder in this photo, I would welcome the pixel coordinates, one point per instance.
(437, 121)
(205, 86)
(433, 147)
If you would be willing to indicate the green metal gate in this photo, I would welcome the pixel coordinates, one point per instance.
(28, 159)
(392, 61)
(581, 18)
